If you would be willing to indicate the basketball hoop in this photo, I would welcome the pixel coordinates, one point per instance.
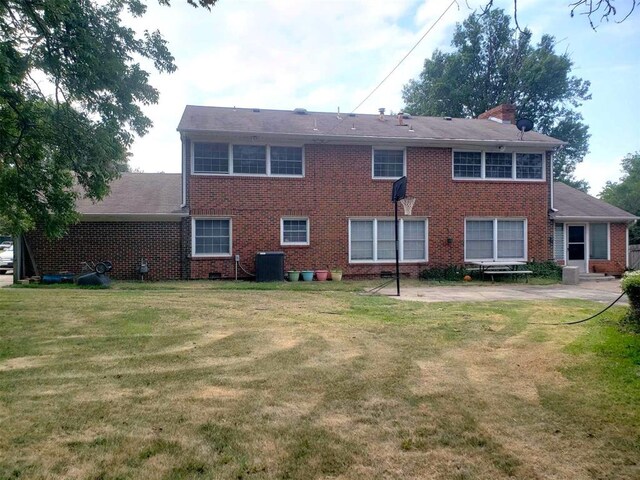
(407, 204)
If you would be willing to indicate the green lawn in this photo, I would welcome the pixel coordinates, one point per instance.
(225, 380)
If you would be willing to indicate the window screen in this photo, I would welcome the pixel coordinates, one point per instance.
(510, 239)
(598, 233)
(286, 160)
(386, 240)
(479, 239)
(362, 240)
(467, 164)
(212, 237)
(414, 240)
(250, 159)
(388, 163)
(295, 231)
(498, 165)
(529, 165)
(211, 158)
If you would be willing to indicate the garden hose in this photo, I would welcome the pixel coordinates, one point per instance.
(575, 322)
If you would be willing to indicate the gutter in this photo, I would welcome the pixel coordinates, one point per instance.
(132, 217)
(376, 139)
(569, 218)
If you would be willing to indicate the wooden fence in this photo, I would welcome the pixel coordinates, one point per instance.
(634, 257)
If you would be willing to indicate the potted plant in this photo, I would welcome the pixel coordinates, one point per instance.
(293, 275)
(307, 275)
(322, 275)
(336, 274)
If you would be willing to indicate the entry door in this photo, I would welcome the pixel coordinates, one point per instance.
(577, 247)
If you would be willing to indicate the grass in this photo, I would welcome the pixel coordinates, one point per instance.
(269, 381)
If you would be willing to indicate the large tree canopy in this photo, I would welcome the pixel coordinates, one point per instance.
(71, 92)
(626, 193)
(493, 63)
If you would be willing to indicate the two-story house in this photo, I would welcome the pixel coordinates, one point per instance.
(317, 186)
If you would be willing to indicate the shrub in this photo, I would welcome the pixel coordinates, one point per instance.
(631, 286)
(548, 269)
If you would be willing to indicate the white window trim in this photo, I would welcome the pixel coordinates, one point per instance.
(404, 162)
(290, 244)
(400, 240)
(483, 176)
(231, 173)
(495, 239)
(210, 255)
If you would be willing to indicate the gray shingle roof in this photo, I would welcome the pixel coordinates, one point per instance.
(572, 203)
(138, 194)
(323, 125)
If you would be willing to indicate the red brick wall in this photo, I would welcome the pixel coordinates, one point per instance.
(122, 243)
(338, 185)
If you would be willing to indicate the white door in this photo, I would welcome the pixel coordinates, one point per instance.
(577, 247)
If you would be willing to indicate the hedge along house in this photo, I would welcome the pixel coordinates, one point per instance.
(317, 187)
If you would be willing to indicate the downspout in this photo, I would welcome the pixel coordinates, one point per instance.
(184, 172)
(18, 259)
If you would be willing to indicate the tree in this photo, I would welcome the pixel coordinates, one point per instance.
(493, 63)
(71, 91)
(605, 9)
(626, 193)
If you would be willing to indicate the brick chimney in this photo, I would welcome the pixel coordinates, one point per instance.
(505, 113)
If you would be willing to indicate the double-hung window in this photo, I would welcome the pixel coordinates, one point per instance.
(223, 158)
(210, 158)
(373, 240)
(497, 166)
(388, 163)
(250, 159)
(211, 237)
(294, 231)
(495, 239)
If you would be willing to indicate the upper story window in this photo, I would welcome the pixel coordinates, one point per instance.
(210, 158)
(286, 161)
(498, 166)
(388, 163)
(467, 164)
(227, 159)
(251, 159)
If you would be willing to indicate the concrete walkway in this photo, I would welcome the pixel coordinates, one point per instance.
(605, 292)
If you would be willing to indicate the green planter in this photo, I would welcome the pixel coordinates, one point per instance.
(293, 275)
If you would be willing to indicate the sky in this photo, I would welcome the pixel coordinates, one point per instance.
(325, 55)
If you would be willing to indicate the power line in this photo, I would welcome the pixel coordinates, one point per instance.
(405, 57)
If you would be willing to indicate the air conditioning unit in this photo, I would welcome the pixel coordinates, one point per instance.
(270, 267)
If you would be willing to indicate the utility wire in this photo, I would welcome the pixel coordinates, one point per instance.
(397, 65)
(405, 57)
(575, 322)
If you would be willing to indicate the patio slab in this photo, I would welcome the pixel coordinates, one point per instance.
(604, 292)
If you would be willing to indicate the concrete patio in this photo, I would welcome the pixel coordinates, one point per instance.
(604, 292)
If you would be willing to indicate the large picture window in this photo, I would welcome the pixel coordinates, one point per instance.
(388, 163)
(223, 158)
(498, 165)
(294, 231)
(373, 240)
(211, 236)
(495, 239)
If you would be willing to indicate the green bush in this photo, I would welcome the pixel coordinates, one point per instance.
(631, 286)
(548, 269)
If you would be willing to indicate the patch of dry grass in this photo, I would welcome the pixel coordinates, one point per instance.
(200, 380)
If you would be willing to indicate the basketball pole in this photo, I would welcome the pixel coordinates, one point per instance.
(397, 255)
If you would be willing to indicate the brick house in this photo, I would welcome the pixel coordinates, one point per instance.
(317, 187)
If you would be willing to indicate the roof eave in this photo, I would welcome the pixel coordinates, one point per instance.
(596, 218)
(132, 217)
(369, 139)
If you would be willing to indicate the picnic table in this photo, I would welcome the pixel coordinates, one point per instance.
(491, 268)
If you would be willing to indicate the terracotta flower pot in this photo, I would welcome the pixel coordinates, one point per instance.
(322, 275)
